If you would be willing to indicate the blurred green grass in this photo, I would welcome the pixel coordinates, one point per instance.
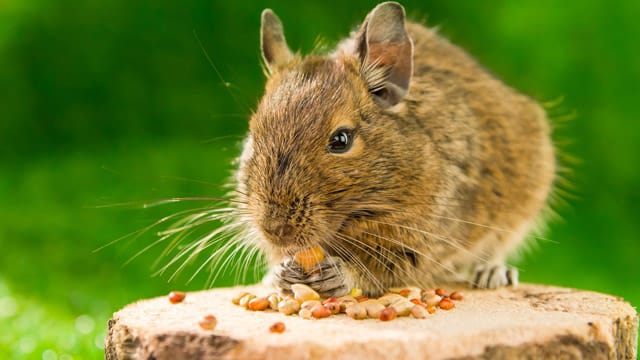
(111, 102)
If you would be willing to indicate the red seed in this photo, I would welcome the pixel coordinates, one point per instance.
(418, 302)
(334, 307)
(277, 327)
(456, 295)
(310, 257)
(404, 292)
(362, 298)
(389, 313)
(208, 322)
(319, 311)
(330, 300)
(441, 292)
(258, 304)
(176, 297)
(446, 304)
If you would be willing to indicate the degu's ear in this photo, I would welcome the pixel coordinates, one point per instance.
(275, 51)
(386, 54)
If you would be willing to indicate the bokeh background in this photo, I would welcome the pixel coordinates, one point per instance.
(105, 102)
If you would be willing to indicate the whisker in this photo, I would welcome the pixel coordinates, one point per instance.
(450, 241)
(398, 242)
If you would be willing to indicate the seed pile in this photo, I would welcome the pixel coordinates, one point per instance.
(307, 304)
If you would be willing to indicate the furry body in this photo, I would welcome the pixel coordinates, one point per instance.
(445, 176)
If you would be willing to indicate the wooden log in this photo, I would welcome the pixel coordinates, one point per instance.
(530, 321)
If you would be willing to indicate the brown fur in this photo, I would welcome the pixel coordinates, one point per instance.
(451, 177)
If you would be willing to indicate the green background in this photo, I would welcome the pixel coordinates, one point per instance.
(103, 102)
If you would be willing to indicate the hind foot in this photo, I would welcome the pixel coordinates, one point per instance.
(492, 277)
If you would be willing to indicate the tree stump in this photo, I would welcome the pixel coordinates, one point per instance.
(529, 321)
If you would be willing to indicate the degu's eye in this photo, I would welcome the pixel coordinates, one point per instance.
(340, 141)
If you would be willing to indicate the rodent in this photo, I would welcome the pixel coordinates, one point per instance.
(397, 154)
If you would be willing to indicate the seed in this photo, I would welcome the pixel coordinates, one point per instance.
(333, 307)
(428, 292)
(403, 307)
(441, 292)
(389, 313)
(446, 304)
(274, 300)
(236, 299)
(329, 300)
(176, 297)
(308, 258)
(309, 304)
(456, 295)
(244, 301)
(277, 327)
(418, 302)
(208, 322)
(431, 300)
(258, 304)
(408, 292)
(346, 301)
(361, 298)
(356, 311)
(374, 308)
(288, 306)
(414, 294)
(319, 311)
(305, 314)
(431, 309)
(355, 292)
(303, 293)
(388, 299)
(418, 312)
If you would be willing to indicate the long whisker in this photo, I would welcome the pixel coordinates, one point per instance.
(404, 246)
(136, 234)
(363, 269)
(452, 242)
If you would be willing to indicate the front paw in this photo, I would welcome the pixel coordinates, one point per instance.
(327, 277)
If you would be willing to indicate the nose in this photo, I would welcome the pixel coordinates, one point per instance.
(283, 232)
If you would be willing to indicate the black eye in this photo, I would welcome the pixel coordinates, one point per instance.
(340, 141)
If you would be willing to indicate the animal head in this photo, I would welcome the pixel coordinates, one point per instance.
(326, 146)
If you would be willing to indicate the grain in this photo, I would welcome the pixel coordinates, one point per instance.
(289, 306)
(309, 258)
(388, 314)
(319, 311)
(305, 314)
(446, 304)
(258, 304)
(208, 322)
(356, 311)
(432, 299)
(303, 293)
(374, 308)
(456, 295)
(277, 327)
(176, 297)
(419, 312)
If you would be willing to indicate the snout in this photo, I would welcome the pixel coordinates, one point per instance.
(279, 232)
